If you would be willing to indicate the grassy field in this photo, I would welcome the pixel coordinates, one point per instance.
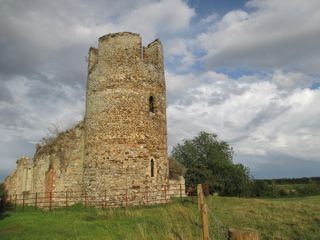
(292, 218)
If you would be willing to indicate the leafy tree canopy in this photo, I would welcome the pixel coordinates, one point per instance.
(208, 159)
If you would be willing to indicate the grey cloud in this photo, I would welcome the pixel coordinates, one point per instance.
(11, 117)
(35, 32)
(272, 111)
(53, 37)
(289, 54)
(5, 95)
(278, 165)
(37, 104)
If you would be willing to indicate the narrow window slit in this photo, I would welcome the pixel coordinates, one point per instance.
(151, 104)
(152, 168)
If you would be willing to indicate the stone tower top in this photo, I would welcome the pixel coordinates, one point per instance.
(125, 49)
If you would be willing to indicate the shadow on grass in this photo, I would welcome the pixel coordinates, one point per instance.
(3, 215)
(4, 210)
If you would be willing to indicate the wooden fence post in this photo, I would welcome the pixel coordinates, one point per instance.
(23, 201)
(126, 197)
(155, 198)
(15, 203)
(66, 198)
(165, 193)
(207, 189)
(205, 222)
(50, 201)
(147, 193)
(105, 199)
(36, 201)
(200, 196)
(192, 192)
(204, 213)
(180, 192)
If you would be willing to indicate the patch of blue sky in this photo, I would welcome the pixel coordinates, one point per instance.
(315, 85)
(207, 7)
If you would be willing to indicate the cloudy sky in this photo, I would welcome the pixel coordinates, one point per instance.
(246, 70)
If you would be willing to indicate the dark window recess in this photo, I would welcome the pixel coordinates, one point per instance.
(152, 168)
(151, 104)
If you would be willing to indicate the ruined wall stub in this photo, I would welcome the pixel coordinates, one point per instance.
(125, 121)
(21, 179)
(56, 166)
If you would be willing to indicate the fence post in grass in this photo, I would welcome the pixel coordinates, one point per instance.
(126, 197)
(23, 201)
(200, 196)
(207, 189)
(147, 193)
(205, 222)
(66, 198)
(180, 192)
(50, 201)
(192, 192)
(105, 199)
(165, 193)
(15, 203)
(85, 199)
(36, 201)
(155, 196)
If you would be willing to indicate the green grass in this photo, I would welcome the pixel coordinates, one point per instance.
(291, 218)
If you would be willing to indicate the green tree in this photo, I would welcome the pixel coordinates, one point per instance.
(1, 197)
(1, 190)
(210, 160)
(261, 188)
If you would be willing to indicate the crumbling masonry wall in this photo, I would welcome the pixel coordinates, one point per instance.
(21, 179)
(56, 166)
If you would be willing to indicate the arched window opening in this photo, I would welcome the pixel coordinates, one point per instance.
(151, 104)
(152, 168)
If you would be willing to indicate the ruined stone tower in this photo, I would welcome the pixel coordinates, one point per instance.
(125, 140)
(119, 152)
